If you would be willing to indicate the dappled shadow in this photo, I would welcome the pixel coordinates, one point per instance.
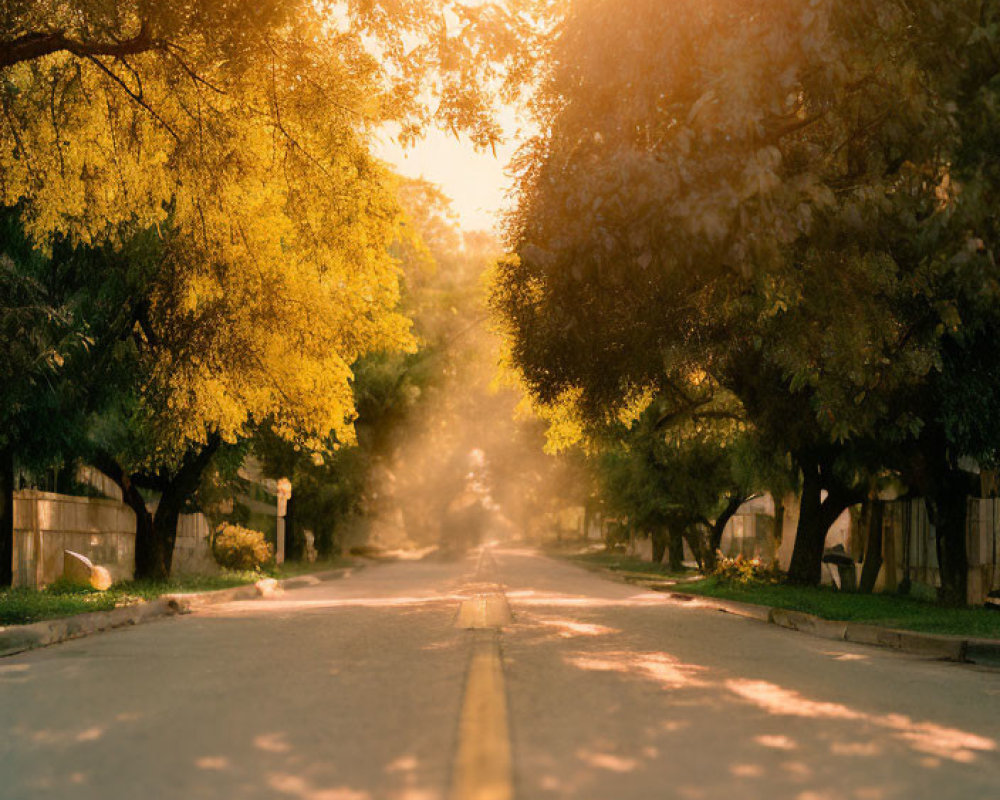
(731, 734)
(665, 670)
(621, 693)
(531, 598)
(570, 629)
(347, 690)
(281, 604)
(924, 737)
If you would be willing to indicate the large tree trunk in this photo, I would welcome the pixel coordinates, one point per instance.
(873, 545)
(156, 534)
(145, 538)
(295, 540)
(160, 550)
(176, 491)
(675, 548)
(815, 518)
(807, 553)
(947, 507)
(133, 498)
(6, 517)
(658, 535)
(326, 542)
(945, 489)
(696, 541)
(779, 523)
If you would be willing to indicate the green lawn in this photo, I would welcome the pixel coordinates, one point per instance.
(22, 606)
(619, 562)
(890, 611)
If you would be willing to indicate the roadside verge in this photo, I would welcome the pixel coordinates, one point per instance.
(18, 638)
(965, 649)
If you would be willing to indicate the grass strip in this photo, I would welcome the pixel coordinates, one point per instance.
(619, 562)
(60, 599)
(886, 610)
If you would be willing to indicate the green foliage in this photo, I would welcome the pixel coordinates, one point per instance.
(618, 562)
(61, 599)
(740, 213)
(23, 606)
(226, 148)
(239, 548)
(216, 242)
(674, 473)
(39, 332)
(796, 201)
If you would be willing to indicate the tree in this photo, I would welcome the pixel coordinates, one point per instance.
(779, 204)
(390, 389)
(37, 408)
(163, 385)
(130, 111)
(679, 481)
(230, 143)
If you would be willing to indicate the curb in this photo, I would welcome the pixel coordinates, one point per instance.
(19, 638)
(747, 610)
(962, 649)
(930, 645)
(185, 603)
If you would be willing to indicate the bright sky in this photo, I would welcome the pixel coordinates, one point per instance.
(475, 181)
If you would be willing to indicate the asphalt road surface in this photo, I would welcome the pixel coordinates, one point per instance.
(504, 675)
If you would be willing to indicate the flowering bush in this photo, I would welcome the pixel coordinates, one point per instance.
(744, 571)
(235, 547)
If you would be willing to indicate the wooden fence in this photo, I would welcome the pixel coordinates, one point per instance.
(46, 524)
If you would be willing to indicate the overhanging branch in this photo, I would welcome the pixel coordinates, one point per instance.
(35, 45)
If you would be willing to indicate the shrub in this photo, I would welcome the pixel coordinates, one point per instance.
(236, 547)
(741, 571)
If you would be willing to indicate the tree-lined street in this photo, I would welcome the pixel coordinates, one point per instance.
(734, 329)
(353, 688)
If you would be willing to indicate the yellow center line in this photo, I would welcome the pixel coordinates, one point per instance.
(483, 761)
(483, 767)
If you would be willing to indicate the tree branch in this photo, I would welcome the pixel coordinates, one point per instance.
(36, 45)
(135, 97)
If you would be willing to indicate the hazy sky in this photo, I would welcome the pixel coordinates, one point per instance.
(475, 181)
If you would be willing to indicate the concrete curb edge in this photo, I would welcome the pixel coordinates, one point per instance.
(931, 645)
(19, 638)
(964, 649)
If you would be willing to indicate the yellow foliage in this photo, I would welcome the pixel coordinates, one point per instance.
(635, 404)
(275, 220)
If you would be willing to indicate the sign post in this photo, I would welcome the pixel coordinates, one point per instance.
(284, 495)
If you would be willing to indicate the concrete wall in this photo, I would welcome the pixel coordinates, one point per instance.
(192, 549)
(750, 532)
(909, 547)
(102, 529)
(46, 524)
(984, 548)
(641, 547)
